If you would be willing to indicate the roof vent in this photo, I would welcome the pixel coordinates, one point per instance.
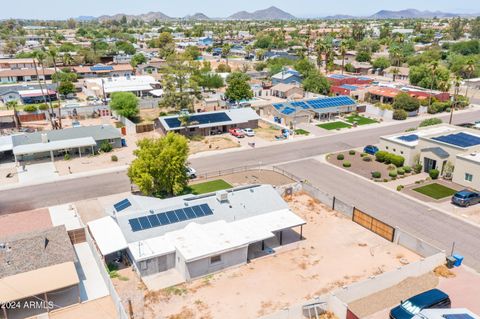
(44, 138)
(222, 196)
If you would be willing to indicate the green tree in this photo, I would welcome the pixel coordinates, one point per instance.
(125, 47)
(315, 82)
(159, 167)
(304, 67)
(125, 104)
(381, 63)
(66, 87)
(137, 59)
(192, 53)
(428, 76)
(238, 87)
(403, 101)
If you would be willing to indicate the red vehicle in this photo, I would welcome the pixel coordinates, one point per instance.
(236, 132)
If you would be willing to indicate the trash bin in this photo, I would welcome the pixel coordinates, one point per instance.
(458, 260)
(451, 262)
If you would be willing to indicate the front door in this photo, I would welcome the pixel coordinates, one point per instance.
(429, 164)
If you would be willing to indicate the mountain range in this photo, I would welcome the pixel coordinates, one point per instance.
(274, 13)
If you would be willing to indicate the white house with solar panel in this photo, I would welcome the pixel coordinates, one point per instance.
(191, 236)
(210, 123)
(319, 108)
(436, 145)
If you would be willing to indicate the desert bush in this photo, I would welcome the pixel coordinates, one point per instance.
(351, 152)
(376, 174)
(417, 168)
(347, 164)
(106, 147)
(433, 173)
(407, 169)
(380, 156)
(393, 173)
(340, 157)
(114, 158)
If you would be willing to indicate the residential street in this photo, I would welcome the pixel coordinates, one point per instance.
(433, 226)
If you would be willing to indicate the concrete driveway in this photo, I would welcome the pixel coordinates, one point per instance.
(37, 172)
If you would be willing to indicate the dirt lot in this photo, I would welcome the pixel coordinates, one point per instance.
(212, 143)
(361, 167)
(249, 177)
(266, 131)
(321, 263)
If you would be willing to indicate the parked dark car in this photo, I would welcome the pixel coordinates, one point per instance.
(370, 149)
(465, 198)
(431, 299)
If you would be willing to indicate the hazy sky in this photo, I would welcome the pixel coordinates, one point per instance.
(61, 9)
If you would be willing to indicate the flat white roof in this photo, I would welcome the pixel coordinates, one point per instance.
(474, 156)
(107, 234)
(196, 241)
(434, 130)
(124, 84)
(65, 215)
(6, 143)
(53, 145)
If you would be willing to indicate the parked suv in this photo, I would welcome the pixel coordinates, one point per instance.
(236, 132)
(431, 299)
(370, 149)
(465, 198)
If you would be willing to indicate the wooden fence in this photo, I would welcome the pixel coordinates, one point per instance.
(371, 223)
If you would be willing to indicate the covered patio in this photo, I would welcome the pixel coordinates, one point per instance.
(49, 148)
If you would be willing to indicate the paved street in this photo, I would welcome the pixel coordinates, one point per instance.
(435, 227)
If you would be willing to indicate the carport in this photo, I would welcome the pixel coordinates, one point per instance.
(53, 146)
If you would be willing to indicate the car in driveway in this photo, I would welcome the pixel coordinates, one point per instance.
(431, 299)
(236, 132)
(248, 132)
(466, 198)
(370, 149)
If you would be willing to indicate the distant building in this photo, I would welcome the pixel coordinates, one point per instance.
(209, 123)
(102, 70)
(287, 91)
(37, 96)
(139, 85)
(25, 75)
(397, 73)
(287, 77)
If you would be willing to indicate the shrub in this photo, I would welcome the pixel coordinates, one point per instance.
(66, 156)
(340, 157)
(385, 180)
(400, 115)
(347, 164)
(30, 108)
(399, 187)
(43, 107)
(351, 152)
(363, 154)
(376, 174)
(433, 173)
(106, 147)
(393, 173)
(417, 168)
(401, 171)
(367, 159)
(380, 156)
(407, 169)
(432, 121)
(396, 160)
(114, 158)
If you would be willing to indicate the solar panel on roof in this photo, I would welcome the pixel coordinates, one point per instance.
(189, 212)
(153, 220)
(198, 211)
(162, 217)
(409, 138)
(458, 316)
(121, 205)
(181, 214)
(201, 119)
(144, 222)
(101, 68)
(460, 139)
(206, 209)
(135, 224)
(172, 217)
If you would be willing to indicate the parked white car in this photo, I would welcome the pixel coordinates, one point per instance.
(248, 132)
(191, 172)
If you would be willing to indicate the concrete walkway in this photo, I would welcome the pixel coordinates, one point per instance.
(92, 285)
(41, 172)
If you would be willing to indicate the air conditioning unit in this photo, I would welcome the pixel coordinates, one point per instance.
(222, 196)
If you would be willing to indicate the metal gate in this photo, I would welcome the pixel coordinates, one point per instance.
(373, 224)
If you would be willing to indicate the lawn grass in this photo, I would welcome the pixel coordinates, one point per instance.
(334, 125)
(208, 187)
(435, 191)
(361, 120)
(301, 132)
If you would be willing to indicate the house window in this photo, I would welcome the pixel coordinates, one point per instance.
(192, 129)
(468, 177)
(215, 259)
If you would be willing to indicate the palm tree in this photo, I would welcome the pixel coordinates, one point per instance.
(226, 51)
(40, 56)
(320, 48)
(469, 69)
(395, 72)
(433, 67)
(13, 105)
(456, 83)
(67, 59)
(343, 52)
(52, 52)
